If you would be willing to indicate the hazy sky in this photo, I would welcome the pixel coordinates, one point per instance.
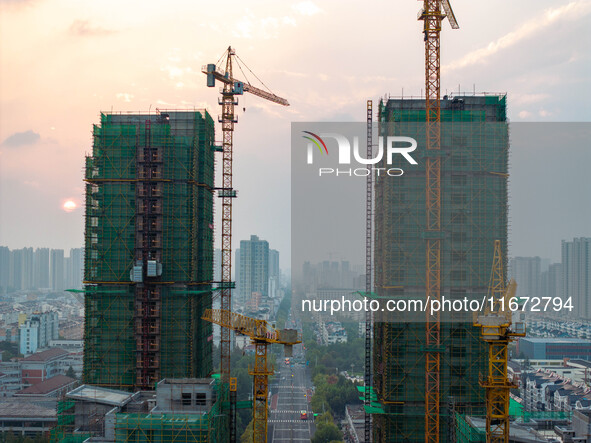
(62, 62)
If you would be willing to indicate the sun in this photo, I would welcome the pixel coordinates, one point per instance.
(69, 206)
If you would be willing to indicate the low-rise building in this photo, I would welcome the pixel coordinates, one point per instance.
(43, 365)
(26, 418)
(37, 331)
(11, 380)
(183, 410)
(554, 348)
(56, 386)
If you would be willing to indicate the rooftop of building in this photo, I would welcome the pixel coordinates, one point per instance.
(585, 411)
(515, 366)
(47, 386)
(99, 394)
(174, 117)
(584, 363)
(45, 355)
(468, 97)
(187, 381)
(555, 340)
(23, 409)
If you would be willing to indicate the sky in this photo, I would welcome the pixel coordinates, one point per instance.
(62, 62)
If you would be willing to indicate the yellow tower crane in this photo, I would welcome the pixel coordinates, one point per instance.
(432, 16)
(261, 334)
(231, 89)
(497, 331)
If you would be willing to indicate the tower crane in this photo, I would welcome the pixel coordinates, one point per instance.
(231, 88)
(261, 334)
(432, 16)
(496, 328)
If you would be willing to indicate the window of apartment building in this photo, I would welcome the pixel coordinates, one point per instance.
(200, 399)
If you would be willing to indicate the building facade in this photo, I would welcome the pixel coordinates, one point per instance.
(253, 271)
(527, 273)
(42, 268)
(576, 275)
(57, 271)
(148, 250)
(555, 348)
(474, 165)
(37, 331)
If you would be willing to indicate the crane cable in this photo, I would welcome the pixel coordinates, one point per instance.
(246, 66)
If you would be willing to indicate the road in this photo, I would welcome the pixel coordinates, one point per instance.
(293, 389)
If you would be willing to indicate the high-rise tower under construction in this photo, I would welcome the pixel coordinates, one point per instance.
(148, 248)
(474, 166)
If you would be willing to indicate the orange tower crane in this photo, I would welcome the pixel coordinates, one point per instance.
(497, 331)
(432, 16)
(262, 334)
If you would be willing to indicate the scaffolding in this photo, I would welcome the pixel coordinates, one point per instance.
(206, 427)
(474, 166)
(63, 431)
(148, 248)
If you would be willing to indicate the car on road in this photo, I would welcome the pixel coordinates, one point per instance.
(303, 415)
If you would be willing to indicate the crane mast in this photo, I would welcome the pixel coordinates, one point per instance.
(432, 16)
(368, 273)
(227, 194)
(233, 87)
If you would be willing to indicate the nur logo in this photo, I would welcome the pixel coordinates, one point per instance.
(394, 145)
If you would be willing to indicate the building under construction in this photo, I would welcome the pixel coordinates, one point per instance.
(474, 166)
(148, 249)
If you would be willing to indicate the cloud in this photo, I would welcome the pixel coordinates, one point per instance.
(84, 28)
(575, 10)
(16, 3)
(524, 114)
(249, 26)
(306, 8)
(527, 99)
(21, 139)
(125, 96)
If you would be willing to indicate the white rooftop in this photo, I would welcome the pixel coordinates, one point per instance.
(100, 395)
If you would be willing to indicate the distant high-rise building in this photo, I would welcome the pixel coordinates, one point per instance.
(21, 268)
(148, 249)
(75, 268)
(42, 268)
(576, 275)
(253, 273)
(217, 265)
(4, 269)
(473, 158)
(551, 281)
(526, 272)
(274, 270)
(57, 273)
(274, 273)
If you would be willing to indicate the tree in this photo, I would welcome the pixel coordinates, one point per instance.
(70, 373)
(247, 436)
(327, 432)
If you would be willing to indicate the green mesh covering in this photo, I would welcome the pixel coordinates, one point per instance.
(474, 166)
(184, 185)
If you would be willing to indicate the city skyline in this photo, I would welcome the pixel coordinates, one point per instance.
(43, 143)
